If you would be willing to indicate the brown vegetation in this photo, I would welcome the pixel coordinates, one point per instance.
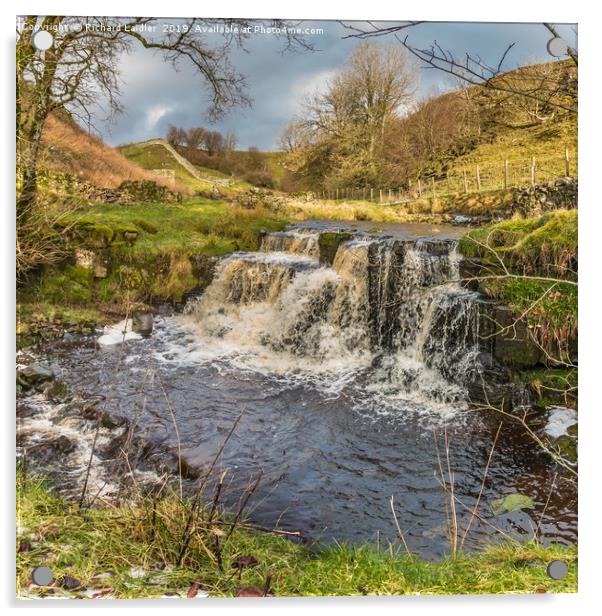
(67, 148)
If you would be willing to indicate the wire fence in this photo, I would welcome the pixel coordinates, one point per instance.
(505, 176)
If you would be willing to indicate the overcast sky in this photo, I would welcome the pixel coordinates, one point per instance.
(154, 95)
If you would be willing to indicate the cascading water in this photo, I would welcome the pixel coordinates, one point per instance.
(343, 372)
(387, 311)
(291, 241)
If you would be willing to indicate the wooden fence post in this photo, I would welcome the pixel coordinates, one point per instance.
(478, 178)
(465, 182)
(419, 189)
(567, 163)
(372, 194)
(533, 171)
(337, 194)
(380, 195)
(389, 194)
(506, 174)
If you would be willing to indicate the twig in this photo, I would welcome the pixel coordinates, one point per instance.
(401, 535)
(476, 505)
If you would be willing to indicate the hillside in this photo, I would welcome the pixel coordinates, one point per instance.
(158, 154)
(67, 148)
(515, 128)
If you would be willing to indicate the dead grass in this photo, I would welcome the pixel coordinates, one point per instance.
(69, 149)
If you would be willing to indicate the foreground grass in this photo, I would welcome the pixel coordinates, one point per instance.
(120, 552)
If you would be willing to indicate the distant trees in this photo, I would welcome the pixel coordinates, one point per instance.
(81, 68)
(340, 136)
(210, 148)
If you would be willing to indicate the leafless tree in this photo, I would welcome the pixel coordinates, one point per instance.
(82, 67)
(559, 92)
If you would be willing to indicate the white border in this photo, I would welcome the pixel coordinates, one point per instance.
(590, 30)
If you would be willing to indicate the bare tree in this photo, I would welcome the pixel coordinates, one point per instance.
(343, 128)
(82, 67)
(560, 92)
(195, 137)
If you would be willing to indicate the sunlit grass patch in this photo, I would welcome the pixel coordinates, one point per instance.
(131, 550)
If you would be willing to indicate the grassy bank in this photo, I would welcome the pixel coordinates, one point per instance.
(531, 266)
(130, 551)
(146, 252)
(438, 209)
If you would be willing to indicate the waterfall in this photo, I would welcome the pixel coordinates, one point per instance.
(387, 307)
(291, 241)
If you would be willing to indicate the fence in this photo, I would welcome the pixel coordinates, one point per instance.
(504, 176)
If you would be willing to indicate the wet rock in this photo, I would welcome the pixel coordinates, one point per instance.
(35, 374)
(25, 411)
(57, 392)
(510, 341)
(142, 322)
(566, 447)
(63, 445)
(203, 268)
(328, 244)
(111, 422)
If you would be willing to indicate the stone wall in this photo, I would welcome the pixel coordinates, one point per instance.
(535, 200)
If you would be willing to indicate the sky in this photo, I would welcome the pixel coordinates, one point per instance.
(155, 95)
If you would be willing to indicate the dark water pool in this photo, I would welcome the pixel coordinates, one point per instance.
(332, 454)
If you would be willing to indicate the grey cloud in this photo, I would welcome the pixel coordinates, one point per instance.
(277, 82)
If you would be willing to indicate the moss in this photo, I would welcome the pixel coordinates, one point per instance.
(566, 447)
(541, 254)
(329, 243)
(41, 320)
(544, 245)
(70, 285)
(552, 385)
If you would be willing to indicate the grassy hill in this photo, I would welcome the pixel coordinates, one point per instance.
(68, 148)
(158, 154)
(517, 129)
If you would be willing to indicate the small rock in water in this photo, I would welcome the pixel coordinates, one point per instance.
(36, 373)
(512, 502)
(142, 323)
(63, 444)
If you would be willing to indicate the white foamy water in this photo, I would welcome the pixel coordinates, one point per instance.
(559, 421)
(382, 319)
(118, 333)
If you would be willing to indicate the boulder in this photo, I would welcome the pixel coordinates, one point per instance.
(142, 322)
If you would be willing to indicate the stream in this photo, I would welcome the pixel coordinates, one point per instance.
(351, 375)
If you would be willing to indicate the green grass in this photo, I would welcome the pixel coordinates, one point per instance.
(120, 551)
(553, 385)
(155, 156)
(546, 142)
(541, 253)
(545, 245)
(151, 248)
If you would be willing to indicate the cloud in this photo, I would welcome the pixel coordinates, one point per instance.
(155, 95)
(154, 114)
(309, 85)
